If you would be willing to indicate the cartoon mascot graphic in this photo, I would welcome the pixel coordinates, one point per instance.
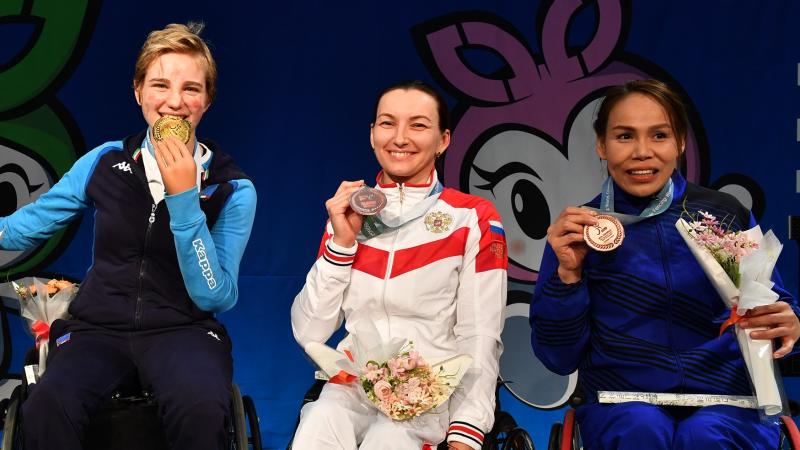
(523, 139)
(42, 42)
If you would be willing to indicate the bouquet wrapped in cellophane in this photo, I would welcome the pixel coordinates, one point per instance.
(41, 302)
(740, 265)
(393, 376)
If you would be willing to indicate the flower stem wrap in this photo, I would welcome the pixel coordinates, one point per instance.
(755, 289)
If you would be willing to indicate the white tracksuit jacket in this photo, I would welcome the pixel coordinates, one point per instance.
(441, 285)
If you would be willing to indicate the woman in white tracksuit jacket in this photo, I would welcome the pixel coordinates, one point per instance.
(438, 279)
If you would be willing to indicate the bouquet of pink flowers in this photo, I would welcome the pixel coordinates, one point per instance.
(393, 376)
(739, 265)
(406, 386)
(727, 247)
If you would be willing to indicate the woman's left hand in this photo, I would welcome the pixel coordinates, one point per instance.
(780, 321)
(176, 164)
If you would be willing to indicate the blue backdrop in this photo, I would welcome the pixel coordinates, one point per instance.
(296, 96)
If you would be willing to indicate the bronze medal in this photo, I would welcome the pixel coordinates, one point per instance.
(607, 235)
(367, 201)
(172, 126)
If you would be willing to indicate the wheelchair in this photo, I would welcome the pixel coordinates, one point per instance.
(504, 435)
(130, 419)
(565, 435)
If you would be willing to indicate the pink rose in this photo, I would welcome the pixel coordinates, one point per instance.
(383, 390)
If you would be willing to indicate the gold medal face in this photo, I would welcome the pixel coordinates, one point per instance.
(172, 126)
(607, 235)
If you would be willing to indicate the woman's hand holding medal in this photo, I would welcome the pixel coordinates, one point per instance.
(175, 161)
(346, 223)
(176, 164)
(565, 236)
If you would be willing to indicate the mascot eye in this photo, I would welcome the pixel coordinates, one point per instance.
(514, 187)
(15, 188)
(530, 209)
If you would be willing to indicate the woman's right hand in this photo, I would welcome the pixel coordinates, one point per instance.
(565, 236)
(346, 222)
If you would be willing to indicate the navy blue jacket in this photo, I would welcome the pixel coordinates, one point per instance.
(154, 265)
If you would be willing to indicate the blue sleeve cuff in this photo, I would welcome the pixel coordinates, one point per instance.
(184, 207)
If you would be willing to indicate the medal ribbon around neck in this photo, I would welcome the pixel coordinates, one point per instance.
(377, 225)
(660, 203)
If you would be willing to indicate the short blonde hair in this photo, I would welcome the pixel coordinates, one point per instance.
(177, 38)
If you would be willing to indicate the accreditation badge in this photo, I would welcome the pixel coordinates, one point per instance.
(607, 235)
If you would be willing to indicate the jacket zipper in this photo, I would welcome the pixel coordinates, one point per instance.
(390, 263)
(143, 265)
(668, 279)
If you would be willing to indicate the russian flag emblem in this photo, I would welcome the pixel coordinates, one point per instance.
(496, 227)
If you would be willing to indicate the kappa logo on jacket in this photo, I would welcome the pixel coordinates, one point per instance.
(202, 261)
(123, 166)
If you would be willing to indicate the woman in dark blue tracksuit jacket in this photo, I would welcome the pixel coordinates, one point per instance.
(644, 317)
(171, 223)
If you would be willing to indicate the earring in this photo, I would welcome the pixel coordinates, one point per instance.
(437, 155)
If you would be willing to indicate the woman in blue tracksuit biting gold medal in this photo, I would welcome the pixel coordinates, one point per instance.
(164, 202)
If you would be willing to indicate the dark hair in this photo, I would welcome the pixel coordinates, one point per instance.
(658, 91)
(441, 104)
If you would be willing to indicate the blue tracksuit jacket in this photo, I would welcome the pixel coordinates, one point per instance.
(154, 265)
(644, 317)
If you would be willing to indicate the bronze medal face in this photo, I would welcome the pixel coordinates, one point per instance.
(172, 126)
(607, 235)
(367, 201)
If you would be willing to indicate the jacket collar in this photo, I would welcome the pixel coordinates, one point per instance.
(405, 195)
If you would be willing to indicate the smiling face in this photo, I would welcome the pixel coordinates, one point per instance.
(174, 85)
(640, 145)
(406, 136)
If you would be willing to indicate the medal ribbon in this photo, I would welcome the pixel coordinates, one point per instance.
(376, 225)
(657, 205)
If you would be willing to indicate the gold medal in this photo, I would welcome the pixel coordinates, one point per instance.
(607, 235)
(172, 126)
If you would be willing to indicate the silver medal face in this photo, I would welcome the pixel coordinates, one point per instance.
(607, 235)
(367, 201)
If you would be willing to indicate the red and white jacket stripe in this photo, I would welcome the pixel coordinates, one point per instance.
(439, 281)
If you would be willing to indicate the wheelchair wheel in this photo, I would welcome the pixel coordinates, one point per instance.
(237, 417)
(12, 435)
(518, 439)
(790, 436)
(252, 422)
(503, 424)
(554, 442)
